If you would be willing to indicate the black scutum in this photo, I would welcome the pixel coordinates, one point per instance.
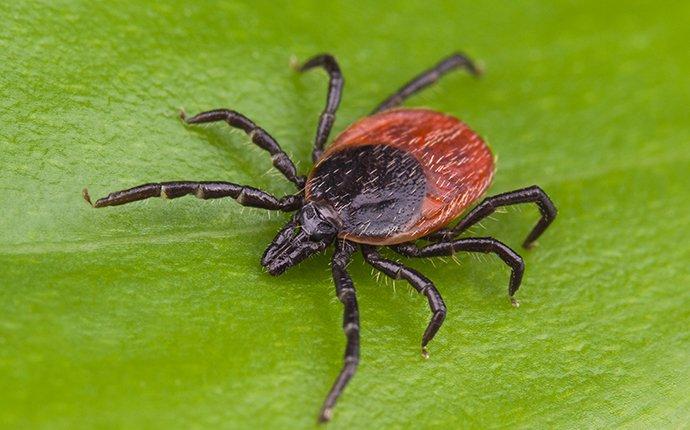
(377, 189)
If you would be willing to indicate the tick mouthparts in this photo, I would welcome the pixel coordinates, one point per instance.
(279, 246)
(292, 250)
(278, 256)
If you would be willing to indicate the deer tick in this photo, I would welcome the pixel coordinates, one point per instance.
(395, 178)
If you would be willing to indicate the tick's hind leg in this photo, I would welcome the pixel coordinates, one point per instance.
(532, 194)
(419, 282)
(245, 195)
(345, 290)
(335, 90)
(258, 135)
(471, 244)
(427, 78)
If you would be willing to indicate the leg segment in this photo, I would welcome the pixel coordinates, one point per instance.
(427, 78)
(419, 282)
(258, 135)
(335, 89)
(532, 194)
(471, 244)
(246, 196)
(345, 291)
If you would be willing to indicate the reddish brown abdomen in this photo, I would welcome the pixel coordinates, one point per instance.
(456, 163)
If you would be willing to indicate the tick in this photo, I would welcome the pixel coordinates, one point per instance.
(395, 178)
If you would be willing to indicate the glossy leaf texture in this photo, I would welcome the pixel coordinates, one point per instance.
(158, 314)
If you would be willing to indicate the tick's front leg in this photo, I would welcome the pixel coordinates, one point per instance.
(245, 195)
(258, 135)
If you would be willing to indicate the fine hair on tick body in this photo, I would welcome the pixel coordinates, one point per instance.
(396, 178)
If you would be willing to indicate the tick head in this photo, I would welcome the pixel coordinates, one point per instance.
(311, 230)
(319, 221)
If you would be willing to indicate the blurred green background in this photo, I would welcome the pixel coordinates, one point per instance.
(158, 315)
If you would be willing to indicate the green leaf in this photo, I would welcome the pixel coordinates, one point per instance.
(158, 315)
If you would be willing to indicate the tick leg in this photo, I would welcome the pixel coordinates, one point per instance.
(419, 282)
(258, 135)
(427, 78)
(335, 89)
(532, 194)
(345, 291)
(471, 244)
(245, 195)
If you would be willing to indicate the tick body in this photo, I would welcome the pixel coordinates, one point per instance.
(401, 174)
(396, 178)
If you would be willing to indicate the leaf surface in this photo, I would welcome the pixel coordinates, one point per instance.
(158, 315)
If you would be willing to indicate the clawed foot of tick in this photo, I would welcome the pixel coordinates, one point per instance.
(529, 245)
(480, 69)
(514, 302)
(325, 415)
(294, 63)
(86, 196)
(425, 353)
